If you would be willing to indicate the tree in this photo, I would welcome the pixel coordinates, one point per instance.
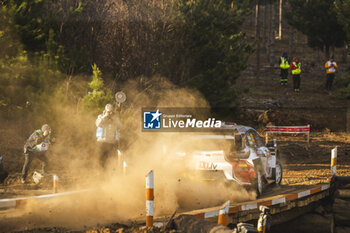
(318, 21)
(42, 26)
(98, 97)
(215, 49)
(342, 8)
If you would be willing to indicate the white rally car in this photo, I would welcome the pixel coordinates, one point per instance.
(238, 153)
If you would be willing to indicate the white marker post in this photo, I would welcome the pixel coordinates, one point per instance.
(149, 199)
(125, 165)
(334, 161)
(120, 158)
(223, 214)
(55, 182)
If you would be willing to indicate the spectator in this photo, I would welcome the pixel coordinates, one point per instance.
(331, 67)
(107, 133)
(36, 147)
(296, 71)
(284, 65)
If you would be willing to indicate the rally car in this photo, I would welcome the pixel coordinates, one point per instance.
(238, 153)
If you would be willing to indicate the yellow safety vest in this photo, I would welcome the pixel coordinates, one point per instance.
(284, 64)
(297, 70)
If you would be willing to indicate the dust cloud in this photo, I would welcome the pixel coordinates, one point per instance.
(112, 196)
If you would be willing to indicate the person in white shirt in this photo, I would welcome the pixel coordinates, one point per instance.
(107, 133)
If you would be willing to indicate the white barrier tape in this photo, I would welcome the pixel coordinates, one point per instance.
(11, 202)
(287, 129)
(7, 203)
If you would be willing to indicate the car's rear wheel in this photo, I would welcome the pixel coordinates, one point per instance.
(278, 172)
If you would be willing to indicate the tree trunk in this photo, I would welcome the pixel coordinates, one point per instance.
(264, 26)
(280, 20)
(291, 42)
(258, 40)
(257, 14)
(327, 51)
(269, 29)
(273, 35)
(345, 53)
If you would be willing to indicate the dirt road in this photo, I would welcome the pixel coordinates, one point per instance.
(303, 166)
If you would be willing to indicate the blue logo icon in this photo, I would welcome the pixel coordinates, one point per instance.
(151, 120)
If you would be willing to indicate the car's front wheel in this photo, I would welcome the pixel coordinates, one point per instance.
(259, 183)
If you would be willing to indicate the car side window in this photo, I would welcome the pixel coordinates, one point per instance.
(250, 139)
(259, 140)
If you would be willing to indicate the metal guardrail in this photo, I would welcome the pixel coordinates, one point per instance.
(275, 201)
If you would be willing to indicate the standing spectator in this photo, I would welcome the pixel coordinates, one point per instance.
(296, 71)
(107, 134)
(36, 147)
(331, 67)
(284, 65)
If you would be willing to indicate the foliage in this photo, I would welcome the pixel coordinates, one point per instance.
(98, 97)
(196, 44)
(40, 24)
(343, 85)
(216, 49)
(20, 81)
(318, 21)
(342, 8)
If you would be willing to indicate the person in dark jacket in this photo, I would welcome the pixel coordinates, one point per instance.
(36, 147)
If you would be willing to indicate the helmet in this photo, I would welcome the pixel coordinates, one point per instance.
(46, 127)
(109, 107)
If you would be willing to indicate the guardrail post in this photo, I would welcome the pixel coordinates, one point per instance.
(149, 199)
(55, 183)
(334, 161)
(223, 214)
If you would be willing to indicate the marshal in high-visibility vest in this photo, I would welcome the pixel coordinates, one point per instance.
(284, 63)
(297, 70)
